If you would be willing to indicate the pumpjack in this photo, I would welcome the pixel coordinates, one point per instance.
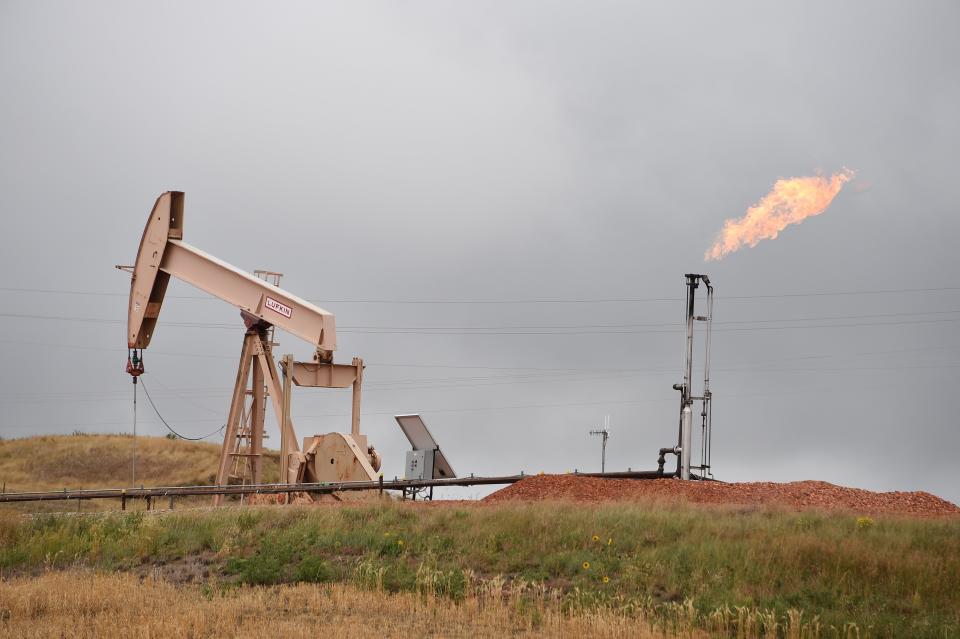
(263, 306)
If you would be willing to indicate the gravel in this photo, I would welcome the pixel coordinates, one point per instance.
(794, 495)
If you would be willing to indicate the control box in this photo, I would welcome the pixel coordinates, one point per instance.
(419, 464)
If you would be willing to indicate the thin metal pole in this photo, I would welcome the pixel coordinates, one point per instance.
(606, 435)
(603, 455)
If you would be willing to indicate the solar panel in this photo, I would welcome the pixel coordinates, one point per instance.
(421, 439)
(417, 432)
(441, 467)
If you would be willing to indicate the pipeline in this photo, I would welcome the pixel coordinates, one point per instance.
(273, 489)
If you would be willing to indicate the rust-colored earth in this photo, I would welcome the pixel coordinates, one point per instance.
(794, 495)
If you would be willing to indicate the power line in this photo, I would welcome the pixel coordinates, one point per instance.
(619, 300)
(644, 325)
(596, 300)
(382, 412)
(469, 409)
(480, 382)
(401, 331)
(585, 329)
(379, 364)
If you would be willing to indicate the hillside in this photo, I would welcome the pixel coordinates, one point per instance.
(55, 462)
(678, 567)
(545, 555)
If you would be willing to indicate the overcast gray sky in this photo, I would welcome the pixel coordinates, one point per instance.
(488, 157)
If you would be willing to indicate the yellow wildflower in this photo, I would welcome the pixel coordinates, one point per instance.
(586, 565)
(606, 579)
(596, 537)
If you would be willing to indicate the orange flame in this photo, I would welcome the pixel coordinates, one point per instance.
(790, 201)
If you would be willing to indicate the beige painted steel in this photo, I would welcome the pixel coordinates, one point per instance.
(256, 362)
(355, 408)
(162, 254)
(258, 411)
(251, 295)
(317, 375)
(148, 283)
(350, 453)
(286, 363)
(235, 416)
(339, 457)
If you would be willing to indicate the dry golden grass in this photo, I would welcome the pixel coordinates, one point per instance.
(80, 604)
(55, 462)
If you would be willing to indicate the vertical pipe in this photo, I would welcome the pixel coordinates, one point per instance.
(688, 347)
(686, 441)
(686, 389)
(709, 331)
(709, 435)
(357, 384)
(707, 395)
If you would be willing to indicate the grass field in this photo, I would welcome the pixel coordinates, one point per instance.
(679, 568)
(81, 605)
(55, 462)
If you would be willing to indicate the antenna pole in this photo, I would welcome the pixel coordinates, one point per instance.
(604, 434)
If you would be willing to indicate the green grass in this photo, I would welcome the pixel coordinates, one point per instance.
(894, 578)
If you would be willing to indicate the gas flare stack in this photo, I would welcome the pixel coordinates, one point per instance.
(684, 448)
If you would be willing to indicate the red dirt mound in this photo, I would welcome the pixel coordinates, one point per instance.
(796, 495)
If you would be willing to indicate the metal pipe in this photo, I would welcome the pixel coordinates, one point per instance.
(686, 388)
(688, 346)
(687, 360)
(687, 397)
(662, 460)
(318, 488)
(707, 411)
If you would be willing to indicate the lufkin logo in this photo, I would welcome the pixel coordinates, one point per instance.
(278, 307)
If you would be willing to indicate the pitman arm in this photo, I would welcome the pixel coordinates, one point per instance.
(163, 254)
